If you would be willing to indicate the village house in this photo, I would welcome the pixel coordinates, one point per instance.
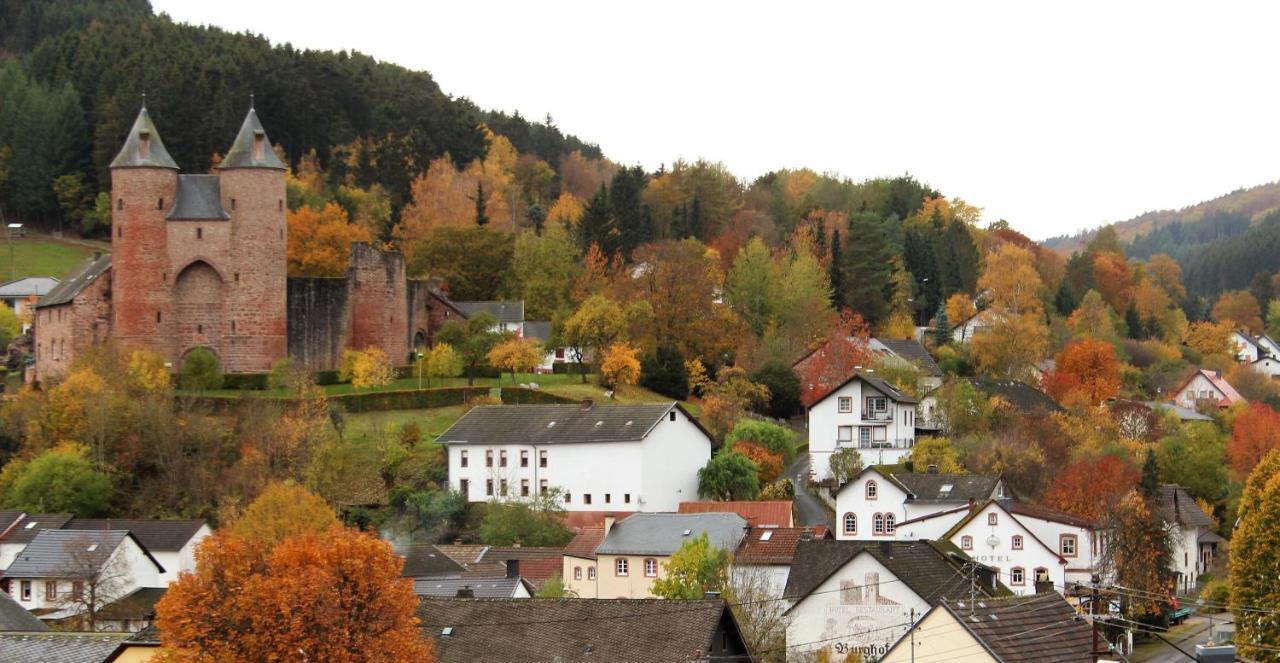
(635, 551)
(1194, 541)
(974, 325)
(601, 459)
(506, 587)
(762, 513)
(20, 296)
(1206, 389)
(636, 631)
(62, 646)
(1025, 544)
(1267, 365)
(874, 503)
(1019, 396)
(552, 355)
(858, 596)
(1041, 629)
(508, 316)
(762, 563)
(18, 528)
(579, 562)
(59, 566)
(864, 413)
(137, 648)
(1246, 347)
(171, 542)
(909, 352)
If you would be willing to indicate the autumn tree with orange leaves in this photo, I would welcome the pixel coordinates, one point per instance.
(320, 241)
(1255, 432)
(1240, 308)
(1086, 373)
(847, 347)
(1091, 487)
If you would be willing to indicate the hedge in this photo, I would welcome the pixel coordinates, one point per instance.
(251, 381)
(522, 396)
(407, 399)
(569, 368)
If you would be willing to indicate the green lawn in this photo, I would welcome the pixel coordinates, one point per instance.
(42, 255)
(433, 421)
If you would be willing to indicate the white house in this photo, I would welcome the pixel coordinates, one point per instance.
(764, 558)
(508, 315)
(20, 294)
(976, 324)
(909, 352)
(171, 542)
(602, 458)
(1208, 388)
(1267, 365)
(1024, 543)
(635, 551)
(1268, 345)
(1194, 541)
(18, 528)
(553, 354)
(864, 413)
(859, 596)
(1245, 346)
(60, 564)
(872, 504)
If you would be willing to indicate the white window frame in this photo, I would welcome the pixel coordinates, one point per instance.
(850, 518)
(650, 567)
(621, 567)
(844, 404)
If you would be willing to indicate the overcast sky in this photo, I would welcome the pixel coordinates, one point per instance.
(1054, 116)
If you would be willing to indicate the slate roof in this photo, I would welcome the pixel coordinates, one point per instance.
(502, 311)
(556, 424)
(878, 383)
(14, 617)
(199, 197)
(47, 554)
(85, 275)
(664, 533)
(8, 517)
(768, 546)
(241, 153)
(1004, 625)
(539, 330)
(928, 487)
(1020, 395)
(570, 630)
(1178, 506)
(1044, 513)
(424, 559)
(932, 569)
(483, 588)
(913, 352)
(1184, 414)
(138, 605)
(32, 524)
(155, 535)
(58, 647)
(31, 285)
(585, 542)
(130, 154)
(769, 513)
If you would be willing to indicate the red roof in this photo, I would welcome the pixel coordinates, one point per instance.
(775, 545)
(1229, 394)
(775, 513)
(585, 543)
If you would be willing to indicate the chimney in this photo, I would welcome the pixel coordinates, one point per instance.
(608, 524)
(587, 403)
(886, 549)
(513, 568)
(972, 505)
(933, 469)
(711, 595)
(1044, 586)
(466, 593)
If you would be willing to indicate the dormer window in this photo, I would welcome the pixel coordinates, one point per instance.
(144, 144)
(259, 144)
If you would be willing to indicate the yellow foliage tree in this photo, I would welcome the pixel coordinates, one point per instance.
(937, 451)
(320, 241)
(372, 368)
(621, 365)
(441, 361)
(516, 355)
(1210, 338)
(960, 308)
(281, 511)
(148, 372)
(566, 210)
(898, 325)
(1011, 280)
(1240, 308)
(441, 197)
(1011, 345)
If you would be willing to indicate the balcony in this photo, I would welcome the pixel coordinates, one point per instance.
(900, 443)
(885, 417)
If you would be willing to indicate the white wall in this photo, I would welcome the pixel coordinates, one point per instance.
(850, 611)
(1269, 367)
(1193, 391)
(1186, 557)
(141, 572)
(825, 420)
(852, 499)
(672, 455)
(772, 578)
(1246, 349)
(178, 561)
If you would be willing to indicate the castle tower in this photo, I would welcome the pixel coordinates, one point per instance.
(143, 183)
(254, 301)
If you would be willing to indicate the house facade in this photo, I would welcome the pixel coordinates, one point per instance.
(1194, 540)
(634, 552)
(1206, 389)
(1245, 346)
(20, 296)
(865, 413)
(171, 542)
(909, 352)
(875, 502)
(640, 457)
(763, 560)
(1267, 365)
(59, 564)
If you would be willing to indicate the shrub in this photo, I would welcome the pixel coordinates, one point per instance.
(287, 374)
(729, 476)
(782, 489)
(663, 371)
(1217, 592)
(61, 479)
(371, 368)
(768, 462)
(245, 381)
(347, 365)
(784, 389)
(201, 371)
(778, 439)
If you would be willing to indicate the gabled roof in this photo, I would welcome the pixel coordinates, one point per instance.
(56, 552)
(878, 383)
(664, 533)
(924, 487)
(502, 311)
(1045, 513)
(29, 525)
(536, 563)
(1020, 395)
(242, 155)
(558, 424)
(424, 559)
(199, 197)
(1178, 506)
(539, 330)
(769, 513)
(58, 647)
(931, 569)
(585, 542)
(528, 630)
(155, 535)
(482, 588)
(8, 517)
(14, 617)
(31, 285)
(82, 278)
(1004, 626)
(1229, 393)
(133, 155)
(911, 351)
(1184, 414)
(773, 545)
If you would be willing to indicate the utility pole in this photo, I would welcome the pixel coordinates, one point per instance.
(1093, 621)
(913, 635)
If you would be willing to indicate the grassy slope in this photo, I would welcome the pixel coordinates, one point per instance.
(42, 255)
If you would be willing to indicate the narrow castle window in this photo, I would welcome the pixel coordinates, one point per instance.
(160, 204)
(199, 233)
(157, 317)
(280, 205)
(237, 277)
(120, 203)
(120, 232)
(259, 144)
(233, 203)
(233, 326)
(144, 144)
(199, 329)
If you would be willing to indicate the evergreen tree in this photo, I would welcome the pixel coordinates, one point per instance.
(1263, 288)
(679, 223)
(1133, 321)
(597, 225)
(1150, 485)
(694, 221)
(941, 327)
(868, 271)
(629, 213)
(836, 271)
(964, 258)
(1064, 301)
(482, 216)
(926, 258)
(664, 372)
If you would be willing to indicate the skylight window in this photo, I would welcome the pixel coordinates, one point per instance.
(92, 547)
(31, 524)
(687, 532)
(551, 424)
(946, 488)
(599, 424)
(766, 535)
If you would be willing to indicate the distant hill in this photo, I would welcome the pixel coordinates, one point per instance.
(1225, 216)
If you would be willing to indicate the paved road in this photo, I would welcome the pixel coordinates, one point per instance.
(1195, 631)
(809, 511)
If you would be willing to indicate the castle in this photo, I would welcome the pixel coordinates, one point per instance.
(199, 261)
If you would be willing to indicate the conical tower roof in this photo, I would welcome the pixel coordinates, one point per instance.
(143, 147)
(251, 148)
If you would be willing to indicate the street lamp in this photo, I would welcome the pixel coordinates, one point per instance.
(9, 228)
(418, 354)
